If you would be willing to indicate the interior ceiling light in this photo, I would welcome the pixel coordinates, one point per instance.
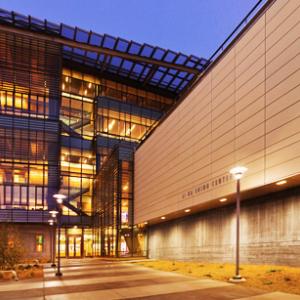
(223, 200)
(129, 130)
(281, 182)
(163, 218)
(187, 210)
(111, 124)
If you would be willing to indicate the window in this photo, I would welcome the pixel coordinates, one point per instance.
(39, 243)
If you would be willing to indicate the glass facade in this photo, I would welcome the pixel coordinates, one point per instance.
(70, 128)
(29, 99)
(100, 117)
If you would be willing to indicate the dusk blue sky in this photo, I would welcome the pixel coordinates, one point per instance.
(191, 26)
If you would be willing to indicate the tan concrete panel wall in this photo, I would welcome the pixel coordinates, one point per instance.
(269, 233)
(246, 110)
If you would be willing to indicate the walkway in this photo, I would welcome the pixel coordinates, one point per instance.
(100, 279)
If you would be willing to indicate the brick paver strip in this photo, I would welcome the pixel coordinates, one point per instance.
(110, 285)
(95, 275)
(220, 293)
(66, 289)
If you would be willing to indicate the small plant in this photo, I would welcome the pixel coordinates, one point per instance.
(273, 271)
(11, 247)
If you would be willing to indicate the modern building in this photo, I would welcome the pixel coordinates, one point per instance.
(141, 139)
(74, 105)
(243, 110)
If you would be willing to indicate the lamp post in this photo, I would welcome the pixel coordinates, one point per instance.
(51, 223)
(237, 173)
(59, 201)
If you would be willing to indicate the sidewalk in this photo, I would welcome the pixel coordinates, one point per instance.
(99, 279)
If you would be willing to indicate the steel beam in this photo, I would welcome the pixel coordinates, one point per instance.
(92, 48)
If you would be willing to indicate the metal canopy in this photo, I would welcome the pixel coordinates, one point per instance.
(142, 63)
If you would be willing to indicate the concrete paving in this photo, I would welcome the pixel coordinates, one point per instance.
(102, 279)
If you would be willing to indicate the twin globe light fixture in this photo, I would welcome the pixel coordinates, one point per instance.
(59, 200)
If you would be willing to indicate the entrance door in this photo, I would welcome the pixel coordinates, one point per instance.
(74, 245)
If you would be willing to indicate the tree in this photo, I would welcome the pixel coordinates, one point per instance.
(11, 247)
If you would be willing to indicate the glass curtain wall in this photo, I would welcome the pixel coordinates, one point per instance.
(114, 203)
(29, 100)
(97, 115)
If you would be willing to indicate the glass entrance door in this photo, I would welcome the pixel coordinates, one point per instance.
(74, 246)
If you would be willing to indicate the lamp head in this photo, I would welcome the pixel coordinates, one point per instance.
(59, 198)
(51, 222)
(53, 213)
(238, 172)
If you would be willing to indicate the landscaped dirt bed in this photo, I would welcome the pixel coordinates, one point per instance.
(266, 277)
(23, 273)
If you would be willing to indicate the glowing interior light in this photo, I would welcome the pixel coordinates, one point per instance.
(63, 86)
(51, 222)
(90, 85)
(85, 92)
(129, 130)
(67, 79)
(111, 125)
(223, 200)
(187, 210)
(238, 172)
(125, 187)
(146, 223)
(163, 218)
(281, 182)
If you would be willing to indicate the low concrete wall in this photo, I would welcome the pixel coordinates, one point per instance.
(270, 233)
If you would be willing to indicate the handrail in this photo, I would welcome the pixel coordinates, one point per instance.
(237, 30)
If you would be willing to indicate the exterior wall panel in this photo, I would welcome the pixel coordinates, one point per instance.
(244, 111)
(269, 233)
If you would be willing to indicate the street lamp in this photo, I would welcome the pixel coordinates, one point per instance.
(59, 200)
(237, 173)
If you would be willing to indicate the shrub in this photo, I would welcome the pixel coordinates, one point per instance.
(11, 247)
